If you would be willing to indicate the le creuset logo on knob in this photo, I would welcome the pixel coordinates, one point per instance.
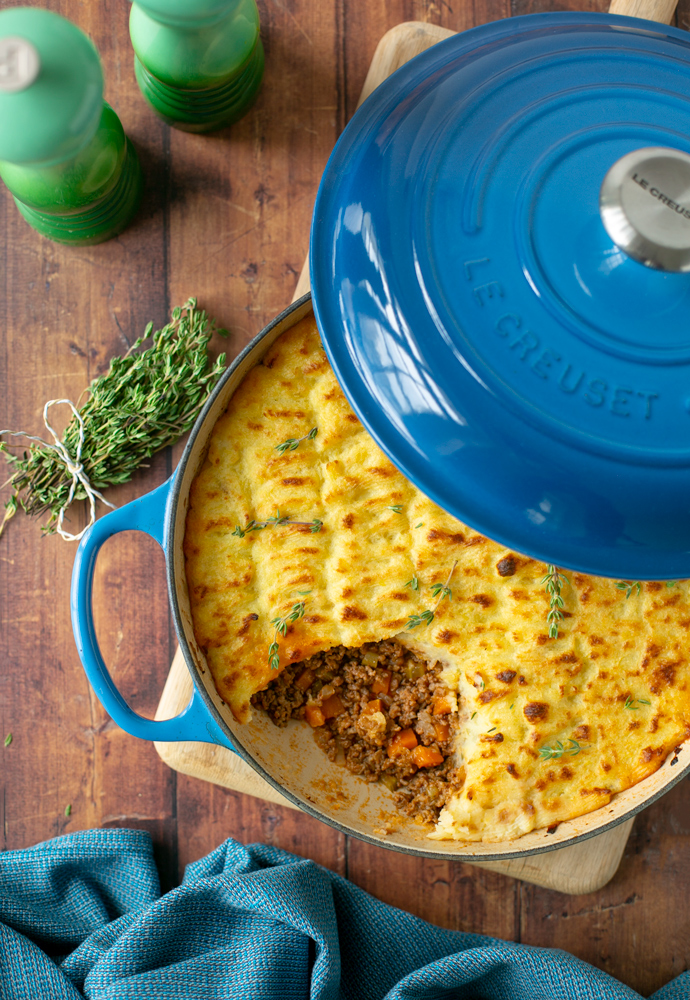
(19, 64)
(645, 207)
(660, 196)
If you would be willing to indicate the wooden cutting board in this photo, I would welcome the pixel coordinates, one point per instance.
(586, 867)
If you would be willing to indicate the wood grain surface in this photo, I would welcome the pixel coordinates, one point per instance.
(226, 218)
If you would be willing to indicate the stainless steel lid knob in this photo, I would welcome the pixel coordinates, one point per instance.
(19, 64)
(645, 207)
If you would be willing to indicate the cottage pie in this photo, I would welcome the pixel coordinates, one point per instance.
(325, 587)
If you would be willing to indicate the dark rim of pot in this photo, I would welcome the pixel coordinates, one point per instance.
(241, 750)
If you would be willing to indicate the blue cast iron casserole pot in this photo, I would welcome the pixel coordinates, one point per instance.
(288, 759)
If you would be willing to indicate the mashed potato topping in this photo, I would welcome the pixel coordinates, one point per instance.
(292, 551)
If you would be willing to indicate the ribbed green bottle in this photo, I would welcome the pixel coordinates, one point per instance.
(199, 63)
(64, 156)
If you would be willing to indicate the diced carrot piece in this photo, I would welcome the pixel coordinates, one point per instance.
(315, 716)
(426, 757)
(441, 730)
(442, 706)
(382, 682)
(305, 679)
(402, 741)
(332, 706)
(373, 706)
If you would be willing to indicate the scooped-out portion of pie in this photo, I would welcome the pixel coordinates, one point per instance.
(491, 694)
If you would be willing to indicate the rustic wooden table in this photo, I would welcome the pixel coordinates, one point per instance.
(226, 218)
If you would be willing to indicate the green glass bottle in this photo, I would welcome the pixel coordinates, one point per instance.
(64, 156)
(199, 63)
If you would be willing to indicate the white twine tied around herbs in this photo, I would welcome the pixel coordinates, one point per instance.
(73, 465)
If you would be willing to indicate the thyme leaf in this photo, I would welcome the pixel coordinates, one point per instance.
(144, 402)
(396, 508)
(628, 587)
(413, 583)
(553, 581)
(293, 443)
(8, 739)
(560, 750)
(68, 810)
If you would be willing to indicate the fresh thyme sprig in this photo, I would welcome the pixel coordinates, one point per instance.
(560, 750)
(293, 443)
(423, 618)
(143, 403)
(553, 581)
(633, 704)
(413, 584)
(275, 521)
(440, 591)
(281, 626)
(628, 587)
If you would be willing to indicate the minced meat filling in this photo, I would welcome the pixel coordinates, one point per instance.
(381, 710)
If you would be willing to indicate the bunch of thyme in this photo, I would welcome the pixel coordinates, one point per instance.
(143, 403)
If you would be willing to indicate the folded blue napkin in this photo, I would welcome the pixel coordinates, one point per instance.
(82, 916)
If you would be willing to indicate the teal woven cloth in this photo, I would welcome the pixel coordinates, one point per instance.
(82, 916)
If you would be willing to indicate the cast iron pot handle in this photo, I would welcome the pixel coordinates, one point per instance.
(195, 723)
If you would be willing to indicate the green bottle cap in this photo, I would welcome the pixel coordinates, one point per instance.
(187, 13)
(51, 87)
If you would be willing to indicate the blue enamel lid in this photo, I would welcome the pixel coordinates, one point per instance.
(521, 368)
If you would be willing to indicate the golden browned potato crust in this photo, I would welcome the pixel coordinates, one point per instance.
(613, 685)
